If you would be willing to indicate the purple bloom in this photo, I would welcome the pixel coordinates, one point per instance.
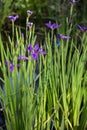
(63, 37)
(13, 18)
(11, 67)
(36, 47)
(18, 65)
(34, 55)
(41, 51)
(30, 48)
(6, 62)
(82, 27)
(51, 26)
(22, 58)
(35, 51)
(29, 24)
(54, 26)
(73, 1)
(29, 13)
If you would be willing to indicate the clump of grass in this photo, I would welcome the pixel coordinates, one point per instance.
(44, 86)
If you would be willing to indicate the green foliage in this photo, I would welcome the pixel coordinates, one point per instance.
(60, 96)
(5, 8)
(36, 5)
(57, 95)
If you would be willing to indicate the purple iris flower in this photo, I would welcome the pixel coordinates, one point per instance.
(11, 67)
(35, 51)
(18, 65)
(30, 48)
(29, 24)
(62, 36)
(29, 13)
(23, 58)
(41, 51)
(6, 62)
(82, 27)
(13, 18)
(36, 47)
(73, 1)
(51, 26)
(34, 55)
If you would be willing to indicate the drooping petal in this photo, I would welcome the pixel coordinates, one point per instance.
(23, 58)
(48, 24)
(51, 26)
(82, 27)
(62, 36)
(42, 52)
(54, 26)
(30, 48)
(18, 65)
(13, 18)
(11, 67)
(34, 55)
(36, 47)
(6, 62)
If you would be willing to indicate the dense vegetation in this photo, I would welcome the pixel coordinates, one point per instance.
(43, 65)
